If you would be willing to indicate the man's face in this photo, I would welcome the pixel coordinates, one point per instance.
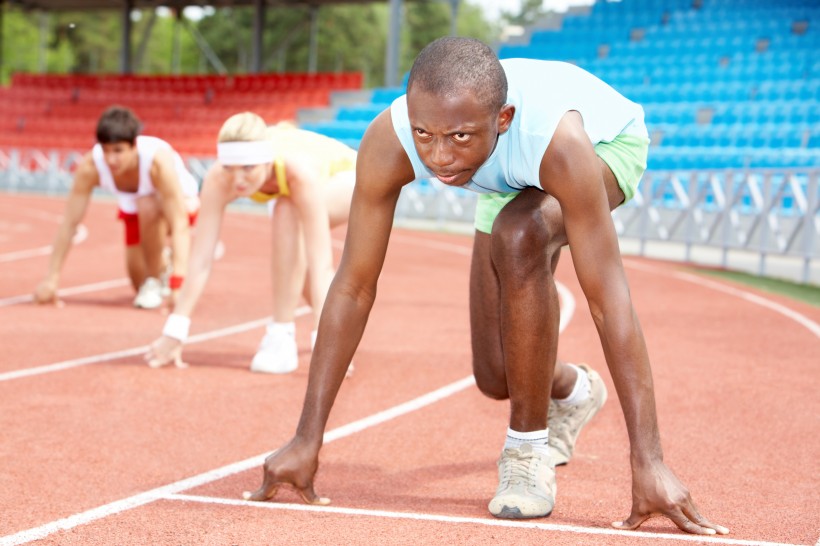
(454, 136)
(119, 156)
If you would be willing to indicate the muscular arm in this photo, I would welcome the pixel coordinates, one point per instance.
(82, 187)
(382, 169)
(571, 172)
(167, 184)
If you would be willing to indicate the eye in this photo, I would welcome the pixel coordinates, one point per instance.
(421, 133)
(461, 137)
(248, 168)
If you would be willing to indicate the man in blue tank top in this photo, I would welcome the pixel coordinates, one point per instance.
(552, 150)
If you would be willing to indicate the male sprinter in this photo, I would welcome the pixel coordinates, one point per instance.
(155, 194)
(555, 149)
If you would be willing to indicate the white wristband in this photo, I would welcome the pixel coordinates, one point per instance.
(177, 327)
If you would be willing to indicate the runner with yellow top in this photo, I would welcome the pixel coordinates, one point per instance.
(308, 179)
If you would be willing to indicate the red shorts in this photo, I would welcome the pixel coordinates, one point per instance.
(132, 226)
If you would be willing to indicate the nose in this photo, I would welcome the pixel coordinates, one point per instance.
(440, 154)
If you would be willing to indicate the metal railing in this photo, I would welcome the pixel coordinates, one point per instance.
(770, 212)
(767, 212)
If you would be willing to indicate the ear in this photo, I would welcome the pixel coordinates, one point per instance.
(505, 118)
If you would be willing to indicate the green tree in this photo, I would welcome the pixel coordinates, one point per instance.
(529, 13)
(350, 38)
(428, 20)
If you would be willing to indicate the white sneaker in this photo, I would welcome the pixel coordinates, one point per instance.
(526, 484)
(277, 352)
(150, 294)
(566, 421)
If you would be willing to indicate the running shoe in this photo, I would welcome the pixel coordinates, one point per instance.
(150, 294)
(277, 352)
(566, 421)
(526, 487)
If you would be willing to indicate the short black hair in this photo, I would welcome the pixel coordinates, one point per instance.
(118, 124)
(450, 65)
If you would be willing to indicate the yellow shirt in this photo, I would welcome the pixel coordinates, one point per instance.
(331, 156)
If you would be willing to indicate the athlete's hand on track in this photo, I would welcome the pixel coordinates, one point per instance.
(657, 491)
(163, 351)
(46, 292)
(294, 465)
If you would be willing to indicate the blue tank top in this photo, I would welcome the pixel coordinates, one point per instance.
(542, 92)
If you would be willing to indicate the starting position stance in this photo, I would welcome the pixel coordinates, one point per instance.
(553, 150)
(155, 194)
(309, 179)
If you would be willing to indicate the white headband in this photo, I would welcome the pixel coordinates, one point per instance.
(253, 152)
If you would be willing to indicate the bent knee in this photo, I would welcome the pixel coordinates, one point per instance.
(520, 245)
(491, 383)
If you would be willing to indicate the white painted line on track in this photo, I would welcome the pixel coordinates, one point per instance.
(105, 357)
(518, 524)
(80, 236)
(170, 492)
(801, 319)
(146, 497)
(82, 289)
(22, 537)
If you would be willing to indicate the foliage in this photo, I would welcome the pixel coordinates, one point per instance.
(350, 37)
(530, 12)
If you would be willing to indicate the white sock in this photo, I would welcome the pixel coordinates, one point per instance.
(538, 439)
(581, 390)
(282, 327)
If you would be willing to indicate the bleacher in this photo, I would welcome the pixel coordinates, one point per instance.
(724, 83)
(60, 112)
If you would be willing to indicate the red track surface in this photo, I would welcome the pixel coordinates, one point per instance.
(91, 434)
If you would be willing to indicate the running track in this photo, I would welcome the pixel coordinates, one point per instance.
(99, 449)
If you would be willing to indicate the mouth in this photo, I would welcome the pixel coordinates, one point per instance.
(448, 179)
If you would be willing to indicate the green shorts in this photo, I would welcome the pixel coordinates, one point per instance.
(626, 156)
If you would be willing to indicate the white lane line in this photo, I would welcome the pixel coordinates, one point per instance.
(169, 491)
(799, 318)
(80, 236)
(519, 524)
(82, 289)
(105, 357)
(36, 533)
(146, 497)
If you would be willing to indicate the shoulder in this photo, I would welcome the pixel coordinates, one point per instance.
(568, 146)
(162, 158)
(87, 166)
(381, 154)
(215, 185)
(86, 172)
